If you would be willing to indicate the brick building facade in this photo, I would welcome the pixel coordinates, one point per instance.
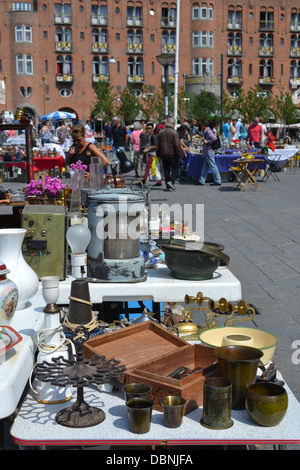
(54, 52)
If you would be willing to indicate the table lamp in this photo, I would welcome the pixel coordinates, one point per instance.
(78, 237)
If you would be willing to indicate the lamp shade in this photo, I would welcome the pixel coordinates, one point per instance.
(165, 59)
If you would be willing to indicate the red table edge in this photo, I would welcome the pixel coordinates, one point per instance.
(72, 442)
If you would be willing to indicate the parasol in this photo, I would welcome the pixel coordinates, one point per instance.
(58, 115)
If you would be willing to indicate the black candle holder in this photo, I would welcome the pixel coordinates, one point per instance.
(79, 372)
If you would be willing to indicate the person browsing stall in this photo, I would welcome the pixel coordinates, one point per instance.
(209, 156)
(83, 150)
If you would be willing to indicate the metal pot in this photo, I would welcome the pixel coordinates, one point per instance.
(187, 262)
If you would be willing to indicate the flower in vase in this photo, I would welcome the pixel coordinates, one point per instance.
(78, 166)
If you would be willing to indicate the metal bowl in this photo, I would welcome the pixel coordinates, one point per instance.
(266, 403)
(189, 263)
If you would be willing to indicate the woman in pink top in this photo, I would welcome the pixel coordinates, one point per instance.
(138, 156)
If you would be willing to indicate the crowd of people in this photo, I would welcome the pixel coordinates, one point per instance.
(160, 152)
(239, 130)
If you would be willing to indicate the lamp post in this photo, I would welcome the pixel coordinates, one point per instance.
(165, 60)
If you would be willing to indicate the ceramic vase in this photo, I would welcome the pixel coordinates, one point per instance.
(8, 296)
(21, 273)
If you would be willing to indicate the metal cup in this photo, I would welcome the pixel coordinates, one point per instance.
(173, 410)
(217, 398)
(136, 390)
(139, 412)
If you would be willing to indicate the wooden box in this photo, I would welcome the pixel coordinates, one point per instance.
(150, 353)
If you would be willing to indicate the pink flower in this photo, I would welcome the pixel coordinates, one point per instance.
(78, 166)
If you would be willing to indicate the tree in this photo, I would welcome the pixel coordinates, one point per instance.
(105, 103)
(130, 107)
(203, 107)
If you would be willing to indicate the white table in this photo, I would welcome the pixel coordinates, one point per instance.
(281, 156)
(159, 287)
(35, 425)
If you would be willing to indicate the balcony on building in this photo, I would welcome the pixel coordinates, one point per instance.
(171, 79)
(236, 25)
(135, 48)
(295, 26)
(100, 20)
(136, 79)
(235, 80)
(234, 51)
(266, 25)
(168, 48)
(100, 78)
(167, 22)
(134, 20)
(269, 80)
(295, 52)
(62, 18)
(64, 78)
(266, 51)
(100, 47)
(63, 46)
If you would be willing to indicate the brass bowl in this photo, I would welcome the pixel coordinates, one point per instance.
(263, 340)
(266, 403)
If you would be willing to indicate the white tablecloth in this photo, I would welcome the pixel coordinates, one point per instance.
(281, 156)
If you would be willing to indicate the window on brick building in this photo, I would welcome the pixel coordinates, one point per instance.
(295, 21)
(21, 6)
(134, 16)
(266, 20)
(25, 91)
(196, 67)
(196, 39)
(266, 68)
(100, 65)
(135, 67)
(203, 11)
(63, 35)
(99, 14)
(168, 41)
(62, 13)
(64, 65)
(24, 64)
(168, 17)
(295, 41)
(295, 69)
(234, 68)
(235, 18)
(134, 40)
(23, 33)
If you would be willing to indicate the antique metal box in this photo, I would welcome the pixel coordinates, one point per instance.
(45, 247)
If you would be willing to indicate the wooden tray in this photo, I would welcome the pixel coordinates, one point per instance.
(134, 345)
(155, 373)
(150, 353)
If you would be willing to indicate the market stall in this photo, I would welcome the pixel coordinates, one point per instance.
(224, 162)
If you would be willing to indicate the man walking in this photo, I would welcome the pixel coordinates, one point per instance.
(119, 134)
(169, 150)
(209, 156)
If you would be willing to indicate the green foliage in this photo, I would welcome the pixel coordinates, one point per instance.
(105, 103)
(203, 107)
(130, 107)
